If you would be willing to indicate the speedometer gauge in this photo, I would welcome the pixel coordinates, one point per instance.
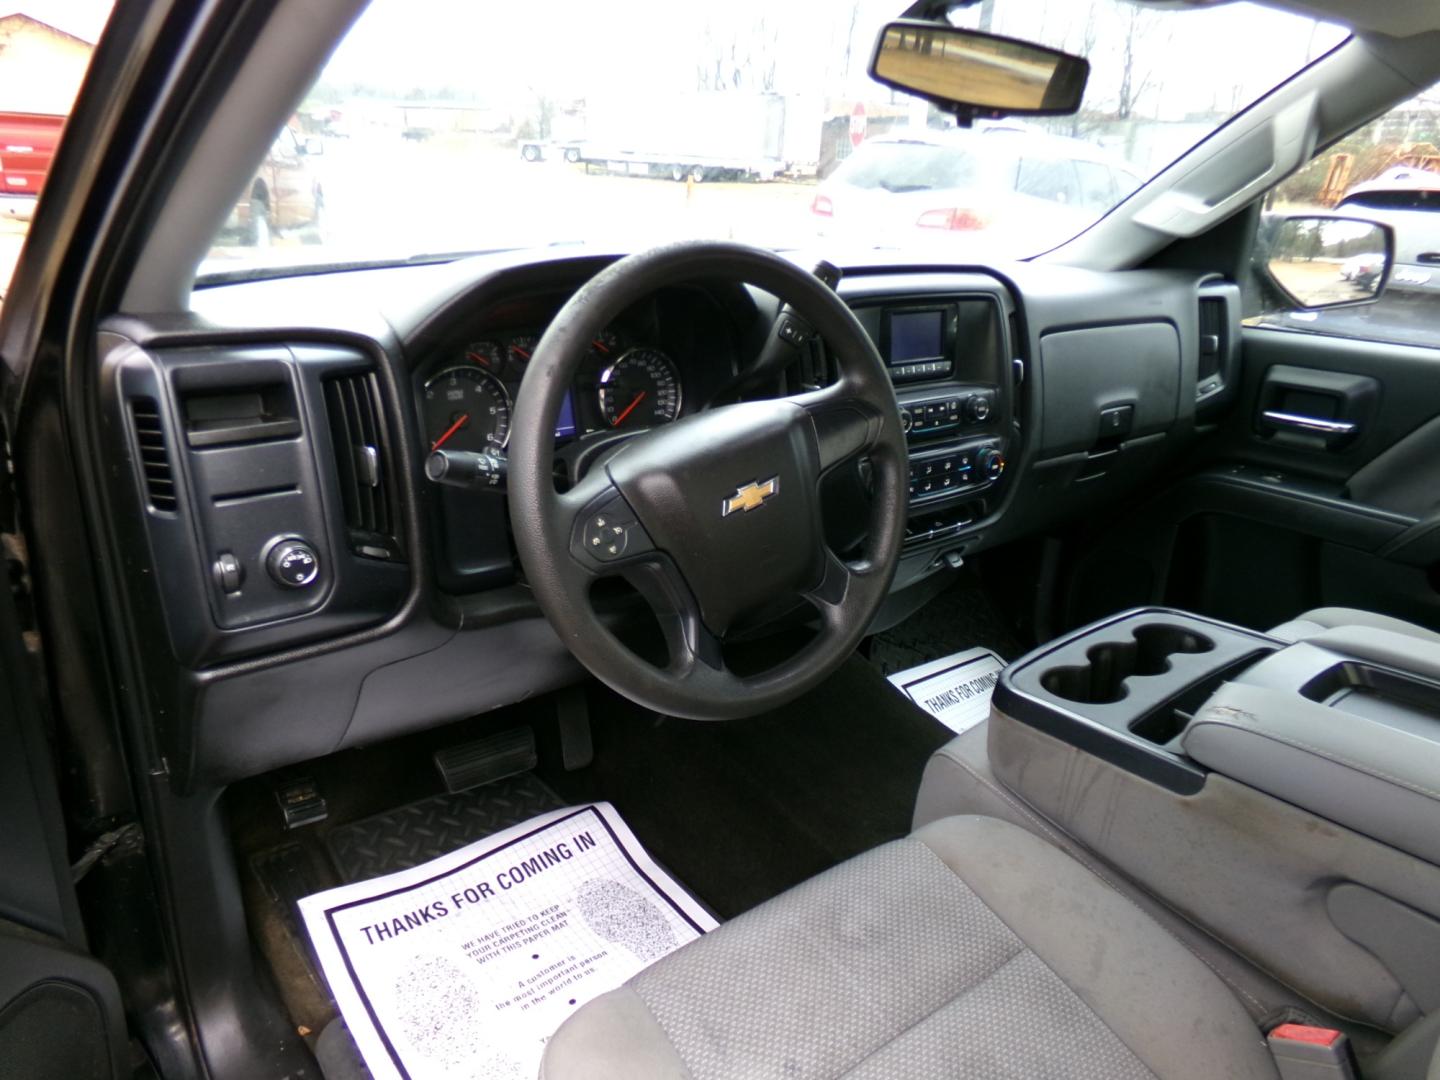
(640, 389)
(467, 409)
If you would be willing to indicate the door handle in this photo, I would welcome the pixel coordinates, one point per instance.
(1309, 423)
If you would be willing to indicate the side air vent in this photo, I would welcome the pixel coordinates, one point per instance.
(154, 455)
(362, 465)
(1214, 335)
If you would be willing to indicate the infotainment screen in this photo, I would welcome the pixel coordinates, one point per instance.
(916, 335)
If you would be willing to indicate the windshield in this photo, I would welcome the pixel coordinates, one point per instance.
(440, 128)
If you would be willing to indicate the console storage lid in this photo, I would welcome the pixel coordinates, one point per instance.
(1346, 726)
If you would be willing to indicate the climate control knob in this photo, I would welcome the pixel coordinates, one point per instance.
(990, 463)
(977, 407)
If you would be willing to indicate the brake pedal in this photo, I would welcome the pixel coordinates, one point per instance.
(483, 761)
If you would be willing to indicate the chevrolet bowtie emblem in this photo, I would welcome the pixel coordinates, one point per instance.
(750, 496)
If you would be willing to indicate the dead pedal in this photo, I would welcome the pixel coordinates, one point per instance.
(483, 761)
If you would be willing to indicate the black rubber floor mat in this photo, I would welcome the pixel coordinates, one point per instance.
(408, 836)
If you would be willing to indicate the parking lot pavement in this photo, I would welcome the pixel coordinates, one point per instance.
(386, 196)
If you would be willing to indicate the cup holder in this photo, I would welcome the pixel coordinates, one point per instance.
(1101, 681)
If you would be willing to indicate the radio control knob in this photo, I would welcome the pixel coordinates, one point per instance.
(977, 407)
(990, 463)
(906, 420)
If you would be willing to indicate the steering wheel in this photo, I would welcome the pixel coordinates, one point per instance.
(715, 518)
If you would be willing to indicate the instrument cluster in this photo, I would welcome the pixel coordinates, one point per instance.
(625, 384)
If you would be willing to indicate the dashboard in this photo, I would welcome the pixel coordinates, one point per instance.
(319, 590)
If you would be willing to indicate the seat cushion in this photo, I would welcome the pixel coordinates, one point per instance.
(969, 949)
(1328, 618)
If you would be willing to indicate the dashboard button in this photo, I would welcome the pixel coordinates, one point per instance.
(228, 573)
(293, 563)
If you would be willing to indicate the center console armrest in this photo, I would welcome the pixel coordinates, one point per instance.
(1336, 734)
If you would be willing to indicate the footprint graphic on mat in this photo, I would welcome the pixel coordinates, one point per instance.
(442, 1016)
(621, 915)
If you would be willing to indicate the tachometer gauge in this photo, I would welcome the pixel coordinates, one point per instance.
(485, 354)
(640, 389)
(466, 409)
(520, 349)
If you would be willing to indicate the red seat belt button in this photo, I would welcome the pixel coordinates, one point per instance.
(1302, 1052)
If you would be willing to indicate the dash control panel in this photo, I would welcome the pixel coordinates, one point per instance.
(953, 469)
(945, 416)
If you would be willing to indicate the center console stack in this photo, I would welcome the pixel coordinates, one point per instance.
(948, 358)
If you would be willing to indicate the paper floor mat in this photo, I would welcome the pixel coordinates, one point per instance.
(465, 965)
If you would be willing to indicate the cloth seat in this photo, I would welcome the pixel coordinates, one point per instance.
(970, 949)
(1328, 618)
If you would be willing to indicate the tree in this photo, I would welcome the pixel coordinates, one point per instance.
(737, 58)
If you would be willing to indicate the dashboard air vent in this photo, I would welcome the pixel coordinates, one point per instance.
(362, 466)
(1214, 334)
(154, 455)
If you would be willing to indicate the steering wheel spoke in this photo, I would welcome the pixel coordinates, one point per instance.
(693, 649)
(830, 594)
(845, 426)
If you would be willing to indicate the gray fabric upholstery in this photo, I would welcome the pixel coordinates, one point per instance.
(971, 949)
(1373, 777)
(1321, 619)
(1250, 869)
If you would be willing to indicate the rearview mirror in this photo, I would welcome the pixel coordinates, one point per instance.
(972, 74)
(1320, 261)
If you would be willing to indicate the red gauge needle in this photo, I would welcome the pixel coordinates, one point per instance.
(597, 343)
(628, 410)
(456, 426)
(520, 352)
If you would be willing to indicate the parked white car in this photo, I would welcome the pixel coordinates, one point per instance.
(1408, 200)
(1001, 187)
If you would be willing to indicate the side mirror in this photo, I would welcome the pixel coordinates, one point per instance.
(1322, 261)
(314, 146)
(972, 73)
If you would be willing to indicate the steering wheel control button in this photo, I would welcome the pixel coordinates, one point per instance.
(791, 332)
(611, 532)
(293, 563)
(228, 573)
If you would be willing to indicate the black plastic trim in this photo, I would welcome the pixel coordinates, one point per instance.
(1119, 745)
